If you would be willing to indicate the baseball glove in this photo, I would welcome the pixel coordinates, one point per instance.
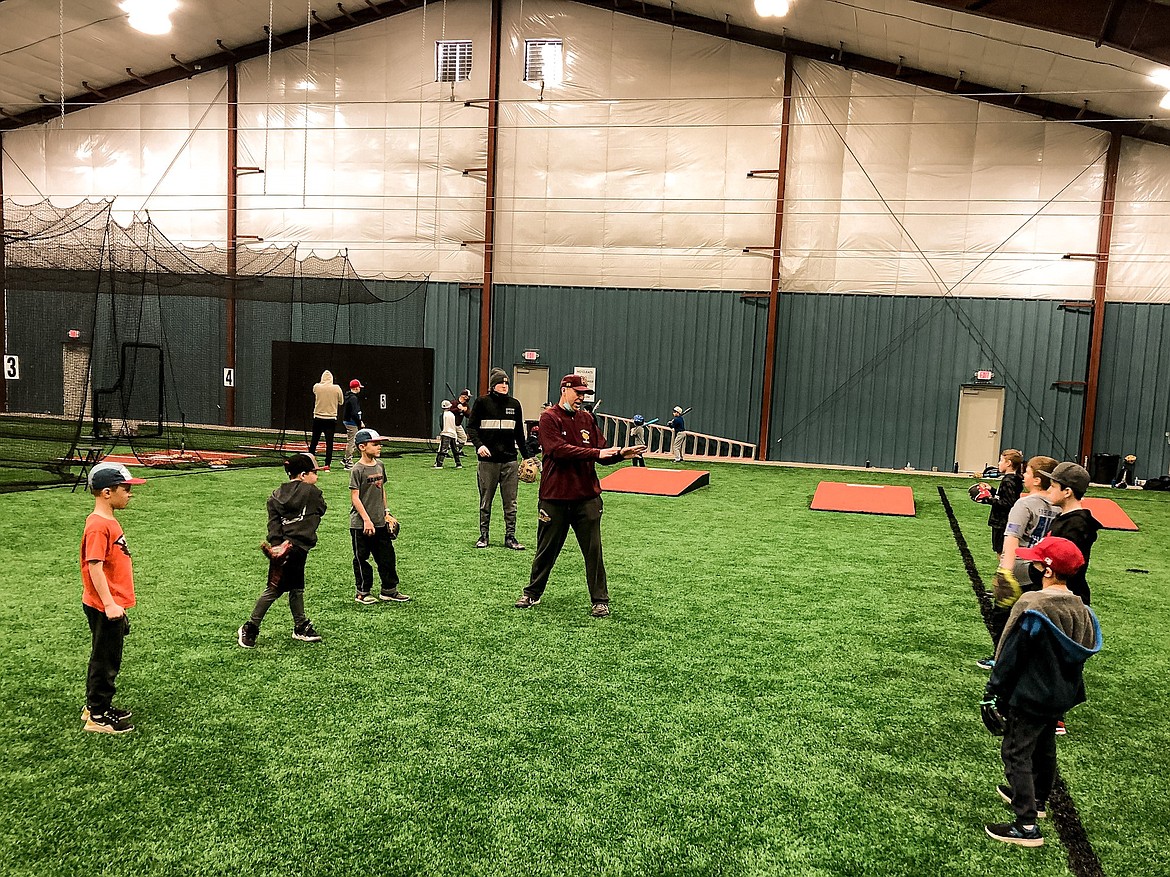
(994, 719)
(981, 492)
(274, 552)
(529, 470)
(392, 523)
(1007, 590)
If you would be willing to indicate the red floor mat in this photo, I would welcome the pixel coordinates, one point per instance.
(657, 482)
(1109, 514)
(872, 499)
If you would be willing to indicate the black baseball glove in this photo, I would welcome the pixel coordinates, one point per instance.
(993, 713)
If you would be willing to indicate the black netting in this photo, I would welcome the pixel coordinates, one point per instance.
(122, 337)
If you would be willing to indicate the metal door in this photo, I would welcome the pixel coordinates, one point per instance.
(977, 438)
(530, 387)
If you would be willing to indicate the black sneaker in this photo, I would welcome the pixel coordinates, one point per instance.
(120, 715)
(365, 599)
(510, 542)
(482, 543)
(526, 602)
(600, 610)
(1014, 833)
(246, 635)
(986, 664)
(107, 723)
(396, 597)
(306, 634)
(1006, 794)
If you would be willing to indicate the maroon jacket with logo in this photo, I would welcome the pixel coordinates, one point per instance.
(572, 444)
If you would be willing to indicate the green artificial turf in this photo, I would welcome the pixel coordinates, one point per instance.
(778, 691)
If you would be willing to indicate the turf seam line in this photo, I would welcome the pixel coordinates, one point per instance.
(1082, 859)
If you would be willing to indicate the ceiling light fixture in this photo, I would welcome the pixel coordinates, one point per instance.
(772, 8)
(1165, 104)
(150, 16)
(1161, 77)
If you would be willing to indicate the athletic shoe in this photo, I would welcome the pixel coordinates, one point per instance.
(105, 723)
(306, 633)
(510, 542)
(1013, 833)
(987, 664)
(365, 599)
(1006, 794)
(322, 468)
(526, 602)
(458, 465)
(437, 466)
(600, 610)
(120, 715)
(396, 597)
(1061, 730)
(246, 635)
(482, 543)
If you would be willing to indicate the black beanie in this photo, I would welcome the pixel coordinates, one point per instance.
(497, 376)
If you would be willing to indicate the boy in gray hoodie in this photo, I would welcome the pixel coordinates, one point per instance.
(294, 514)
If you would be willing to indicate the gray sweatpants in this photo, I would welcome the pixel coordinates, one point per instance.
(507, 477)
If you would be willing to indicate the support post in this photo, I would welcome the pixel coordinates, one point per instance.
(233, 100)
(489, 219)
(774, 290)
(1100, 279)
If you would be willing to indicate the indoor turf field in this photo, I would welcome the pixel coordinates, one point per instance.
(779, 691)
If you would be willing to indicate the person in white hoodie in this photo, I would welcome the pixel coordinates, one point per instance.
(327, 400)
(449, 439)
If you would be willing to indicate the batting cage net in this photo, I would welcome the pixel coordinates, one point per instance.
(118, 344)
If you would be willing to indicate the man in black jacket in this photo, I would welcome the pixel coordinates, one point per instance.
(496, 430)
(1038, 676)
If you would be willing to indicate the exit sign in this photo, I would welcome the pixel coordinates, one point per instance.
(531, 355)
(984, 375)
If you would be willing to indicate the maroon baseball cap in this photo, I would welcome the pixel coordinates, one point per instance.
(577, 383)
(355, 384)
(1061, 555)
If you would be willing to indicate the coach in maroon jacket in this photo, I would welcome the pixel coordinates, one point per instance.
(570, 494)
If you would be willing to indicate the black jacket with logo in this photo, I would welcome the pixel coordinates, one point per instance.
(497, 423)
(294, 514)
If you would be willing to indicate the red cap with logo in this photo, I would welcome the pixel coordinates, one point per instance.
(355, 384)
(577, 383)
(1061, 555)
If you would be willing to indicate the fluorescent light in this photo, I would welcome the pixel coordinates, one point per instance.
(1165, 104)
(150, 16)
(1161, 77)
(772, 8)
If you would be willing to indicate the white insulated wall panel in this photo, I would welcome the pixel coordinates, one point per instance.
(1139, 263)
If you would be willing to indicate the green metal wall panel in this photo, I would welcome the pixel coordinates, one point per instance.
(452, 329)
(652, 349)
(1133, 402)
(877, 378)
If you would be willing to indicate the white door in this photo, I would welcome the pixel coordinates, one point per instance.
(76, 392)
(977, 439)
(530, 387)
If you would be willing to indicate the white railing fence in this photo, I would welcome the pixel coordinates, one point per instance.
(617, 432)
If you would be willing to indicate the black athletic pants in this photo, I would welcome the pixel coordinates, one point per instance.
(449, 444)
(323, 427)
(381, 547)
(639, 460)
(105, 658)
(555, 520)
(1029, 762)
(285, 573)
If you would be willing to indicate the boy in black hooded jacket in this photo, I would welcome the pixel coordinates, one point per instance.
(1038, 676)
(1073, 521)
(294, 514)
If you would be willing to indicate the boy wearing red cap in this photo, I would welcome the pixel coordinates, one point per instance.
(1038, 677)
(107, 578)
(351, 416)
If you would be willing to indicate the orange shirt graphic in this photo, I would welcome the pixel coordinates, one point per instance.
(104, 540)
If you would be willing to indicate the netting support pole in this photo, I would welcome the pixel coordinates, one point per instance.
(489, 219)
(1100, 281)
(3, 287)
(233, 98)
(774, 289)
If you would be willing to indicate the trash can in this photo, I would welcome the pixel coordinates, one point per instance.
(1104, 468)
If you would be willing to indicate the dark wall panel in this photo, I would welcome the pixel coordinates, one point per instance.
(653, 349)
(877, 378)
(1133, 409)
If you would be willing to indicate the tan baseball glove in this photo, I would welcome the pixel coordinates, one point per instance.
(529, 470)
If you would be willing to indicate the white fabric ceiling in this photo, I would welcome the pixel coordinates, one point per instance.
(99, 45)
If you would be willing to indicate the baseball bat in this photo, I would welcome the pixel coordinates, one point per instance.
(687, 411)
(650, 422)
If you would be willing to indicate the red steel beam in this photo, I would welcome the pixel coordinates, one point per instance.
(489, 217)
(233, 103)
(774, 292)
(1100, 279)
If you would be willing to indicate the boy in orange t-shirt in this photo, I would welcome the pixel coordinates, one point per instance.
(107, 578)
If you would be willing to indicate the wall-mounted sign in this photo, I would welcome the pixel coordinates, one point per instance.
(12, 368)
(229, 377)
(984, 375)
